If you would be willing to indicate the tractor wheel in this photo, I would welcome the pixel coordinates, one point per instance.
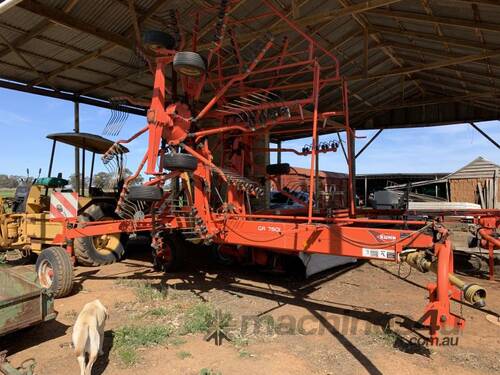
(101, 249)
(221, 257)
(189, 64)
(145, 193)
(278, 169)
(154, 40)
(180, 162)
(55, 271)
(171, 253)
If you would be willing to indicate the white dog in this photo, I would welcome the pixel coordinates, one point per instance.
(88, 334)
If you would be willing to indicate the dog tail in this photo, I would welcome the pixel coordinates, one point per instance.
(80, 341)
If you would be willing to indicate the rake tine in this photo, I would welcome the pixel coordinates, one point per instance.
(253, 102)
(272, 93)
(264, 98)
(255, 97)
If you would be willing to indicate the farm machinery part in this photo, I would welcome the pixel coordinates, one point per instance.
(207, 121)
(43, 207)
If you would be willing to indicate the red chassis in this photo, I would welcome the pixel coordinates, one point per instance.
(273, 95)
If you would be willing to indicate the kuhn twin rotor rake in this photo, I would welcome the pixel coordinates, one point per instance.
(208, 124)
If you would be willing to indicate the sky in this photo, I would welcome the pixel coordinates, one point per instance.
(26, 119)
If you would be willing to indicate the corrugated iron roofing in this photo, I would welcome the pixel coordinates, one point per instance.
(478, 168)
(55, 50)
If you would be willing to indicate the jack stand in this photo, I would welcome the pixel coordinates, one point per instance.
(437, 313)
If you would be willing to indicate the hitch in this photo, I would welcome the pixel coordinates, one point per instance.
(437, 313)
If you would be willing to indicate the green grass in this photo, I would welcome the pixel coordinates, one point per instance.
(147, 293)
(157, 312)
(177, 341)
(144, 291)
(243, 353)
(239, 341)
(129, 338)
(7, 193)
(128, 356)
(206, 371)
(201, 317)
(183, 354)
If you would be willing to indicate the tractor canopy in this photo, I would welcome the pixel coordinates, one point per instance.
(90, 142)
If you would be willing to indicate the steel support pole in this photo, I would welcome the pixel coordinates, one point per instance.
(51, 163)
(76, 129)
(82, 183)
(485, 135)
(351, 153)
(314, 150)
(280, 177)
(366, 192)
(91, 171)
(369, 142)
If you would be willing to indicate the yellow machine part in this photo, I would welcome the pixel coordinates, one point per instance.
(32, 230)
(35, 231)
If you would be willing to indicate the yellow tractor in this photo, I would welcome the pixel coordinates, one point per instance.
(28, 221)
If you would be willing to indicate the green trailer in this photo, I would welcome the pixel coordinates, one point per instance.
(23, 302)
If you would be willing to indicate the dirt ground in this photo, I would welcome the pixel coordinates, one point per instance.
(330, 324)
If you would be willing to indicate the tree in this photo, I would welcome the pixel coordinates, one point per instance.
(9, 182)
(72, 181)
(102, 180)
(137, 181)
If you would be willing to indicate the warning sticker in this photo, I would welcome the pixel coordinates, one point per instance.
(379, 253)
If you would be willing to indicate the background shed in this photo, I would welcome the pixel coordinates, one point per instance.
(477, 182)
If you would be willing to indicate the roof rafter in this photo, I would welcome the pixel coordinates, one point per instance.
(99, 52)
(60, 17)
(36, 30)
(430, 66)
(463, 23)
(432, 37)
(313, 20)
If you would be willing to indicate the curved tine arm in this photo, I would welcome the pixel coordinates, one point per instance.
(228, 85)
(204, 161)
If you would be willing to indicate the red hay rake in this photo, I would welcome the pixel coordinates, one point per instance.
(204, 124)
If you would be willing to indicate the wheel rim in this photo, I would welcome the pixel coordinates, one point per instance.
(163, 257)
(45, 274)
(191, 71)
(106, 243)
(154, 47)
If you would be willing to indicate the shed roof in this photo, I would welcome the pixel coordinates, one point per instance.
(408, 63)
(478, 168)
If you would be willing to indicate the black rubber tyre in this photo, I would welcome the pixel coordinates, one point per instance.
(55, 271)
(219, 257)
(145, 193)
(180, 162)
(176, 258)
(154, 39)
(189, 64)
(277, 169)
(111, 248)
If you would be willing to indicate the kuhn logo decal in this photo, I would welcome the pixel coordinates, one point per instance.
(383, 237)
